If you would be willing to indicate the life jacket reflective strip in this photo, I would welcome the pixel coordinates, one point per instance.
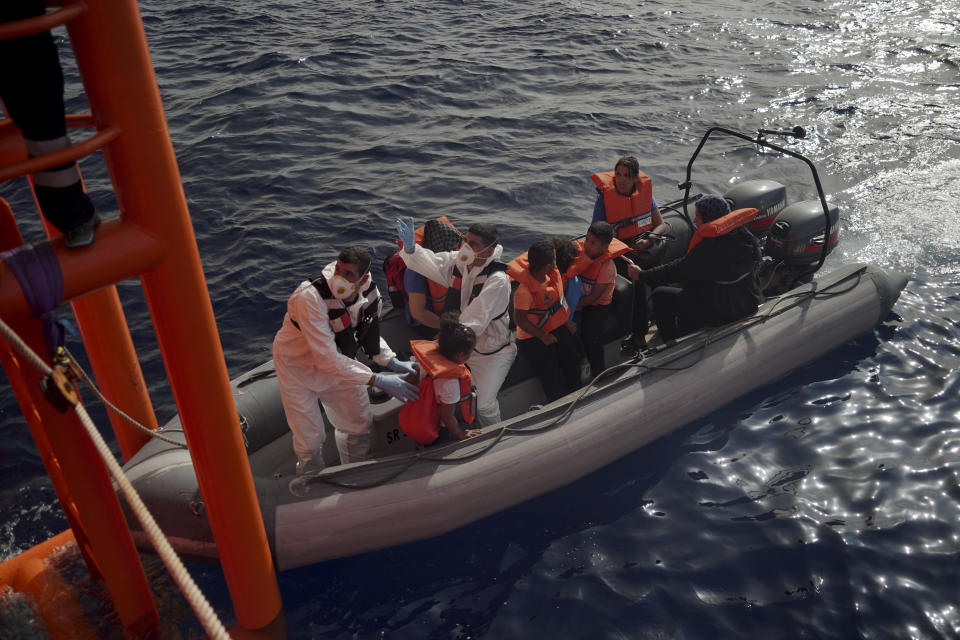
(367, 333)
(630, 216)
(452, 302)
(551, 310)
(420, 419)
(722, 226)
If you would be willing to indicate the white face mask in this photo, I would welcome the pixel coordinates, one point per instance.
(467, 256)
(342, 288)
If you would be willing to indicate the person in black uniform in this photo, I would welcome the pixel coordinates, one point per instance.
(31, 88)
(717, 277)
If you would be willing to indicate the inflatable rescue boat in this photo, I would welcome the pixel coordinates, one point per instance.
(406, 492)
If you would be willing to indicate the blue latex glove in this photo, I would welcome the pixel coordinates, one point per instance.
(401, 366)
(396, 386)
(405, 233)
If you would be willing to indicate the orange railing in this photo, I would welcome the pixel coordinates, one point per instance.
(153, 239)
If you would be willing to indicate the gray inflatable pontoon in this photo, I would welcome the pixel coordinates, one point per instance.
(406, 492)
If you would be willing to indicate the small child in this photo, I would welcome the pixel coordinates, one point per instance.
(444, 384)
(541, 313)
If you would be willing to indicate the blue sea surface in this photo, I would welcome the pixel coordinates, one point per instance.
(824, 505)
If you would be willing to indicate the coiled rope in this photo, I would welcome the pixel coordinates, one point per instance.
(198, 602)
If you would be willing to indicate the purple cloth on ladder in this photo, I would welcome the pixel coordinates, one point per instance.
(38, 272)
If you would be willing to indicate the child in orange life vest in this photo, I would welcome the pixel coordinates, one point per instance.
(541, 313)
(444, 384)
(598, 277)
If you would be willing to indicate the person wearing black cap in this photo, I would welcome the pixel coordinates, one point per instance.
(717, 276)
(31, 89)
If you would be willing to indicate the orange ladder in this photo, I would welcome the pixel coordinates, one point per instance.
(153, 239)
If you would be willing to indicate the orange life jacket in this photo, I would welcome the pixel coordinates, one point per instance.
(436, 296)
(722, 226)
(589, 268)
(551, 309)
(420, 419)
(629, 215)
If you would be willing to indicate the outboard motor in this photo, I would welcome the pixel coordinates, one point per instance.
(795, 243)
(767, 196)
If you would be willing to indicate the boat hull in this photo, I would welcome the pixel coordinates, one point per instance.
(420, 493)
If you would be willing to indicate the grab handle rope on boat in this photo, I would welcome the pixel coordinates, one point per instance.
(198, 602)
(697, 344)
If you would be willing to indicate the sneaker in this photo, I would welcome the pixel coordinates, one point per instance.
(81, 235)
(585, 375)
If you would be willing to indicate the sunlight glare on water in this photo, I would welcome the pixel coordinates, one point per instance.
(824, 505)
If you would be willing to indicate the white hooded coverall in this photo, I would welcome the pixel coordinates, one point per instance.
(310, 367)
(492, 357)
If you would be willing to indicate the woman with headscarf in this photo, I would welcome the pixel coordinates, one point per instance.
(717, 275)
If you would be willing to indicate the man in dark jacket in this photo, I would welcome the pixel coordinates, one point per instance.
(718, 278)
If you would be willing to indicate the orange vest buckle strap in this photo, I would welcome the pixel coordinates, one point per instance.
(546, 314)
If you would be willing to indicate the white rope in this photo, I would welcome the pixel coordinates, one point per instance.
(23, 348)
(201, 607)
(205, 613)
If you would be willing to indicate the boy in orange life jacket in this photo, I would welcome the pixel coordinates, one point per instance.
(444, 384)
(541, 314)
(598, 283)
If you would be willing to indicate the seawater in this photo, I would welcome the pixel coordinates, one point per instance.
(824, 505)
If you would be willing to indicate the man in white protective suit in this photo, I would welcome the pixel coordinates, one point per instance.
(478, 287)
(328, 320)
